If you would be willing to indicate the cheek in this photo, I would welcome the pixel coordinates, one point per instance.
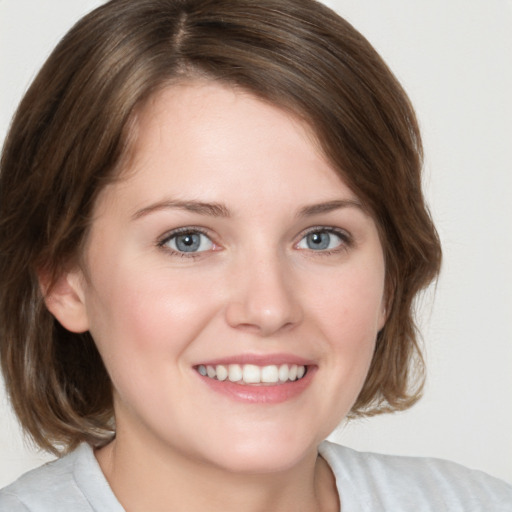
(349, 312)
(136, 313)
(351, 304)
(142, 326)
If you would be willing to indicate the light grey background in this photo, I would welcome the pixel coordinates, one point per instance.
(454, 58)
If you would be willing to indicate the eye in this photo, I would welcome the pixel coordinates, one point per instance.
(323, 239)
(189, 241)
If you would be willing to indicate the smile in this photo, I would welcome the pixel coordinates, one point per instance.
(253, 374)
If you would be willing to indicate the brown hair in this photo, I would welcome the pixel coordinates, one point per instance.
(71, 131)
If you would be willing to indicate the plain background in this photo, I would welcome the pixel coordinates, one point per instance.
(454, 59)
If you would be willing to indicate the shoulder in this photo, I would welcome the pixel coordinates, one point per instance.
(387, 482)
(51, 487)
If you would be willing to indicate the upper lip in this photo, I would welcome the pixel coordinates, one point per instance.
(259, 360)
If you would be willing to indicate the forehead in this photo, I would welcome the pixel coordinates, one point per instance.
(199, 108)
(196, 137)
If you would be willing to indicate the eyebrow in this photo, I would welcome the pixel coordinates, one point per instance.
(219, 210)
(329, 206)
(209, 209)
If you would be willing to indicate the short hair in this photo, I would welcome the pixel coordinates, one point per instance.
(72, 130)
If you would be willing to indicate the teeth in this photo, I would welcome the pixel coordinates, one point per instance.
(283, 373)
(234, 372)
(221, 371)
(270, 374)
(252, 374)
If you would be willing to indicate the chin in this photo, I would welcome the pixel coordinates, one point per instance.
(263, 454)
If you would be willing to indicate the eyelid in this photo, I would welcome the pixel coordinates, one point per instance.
(168, 235)
(330, 229)
(344, 235)
(173, 233)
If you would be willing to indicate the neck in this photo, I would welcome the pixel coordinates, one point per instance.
(143, 479)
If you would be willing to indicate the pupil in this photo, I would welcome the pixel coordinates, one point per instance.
(188, 243)
(318, 241)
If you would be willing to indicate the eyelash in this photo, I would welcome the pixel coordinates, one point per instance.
(189, 230)
(346, 240)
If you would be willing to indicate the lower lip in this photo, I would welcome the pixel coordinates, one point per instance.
(263, 394)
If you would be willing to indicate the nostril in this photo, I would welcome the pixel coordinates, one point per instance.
(263, 319)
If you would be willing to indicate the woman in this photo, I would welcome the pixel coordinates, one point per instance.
(212, 233)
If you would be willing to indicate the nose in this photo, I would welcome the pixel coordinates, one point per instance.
(264, 299)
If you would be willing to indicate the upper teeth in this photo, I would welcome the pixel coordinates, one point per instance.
(252, 374)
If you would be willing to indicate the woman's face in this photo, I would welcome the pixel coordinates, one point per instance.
(231, 248)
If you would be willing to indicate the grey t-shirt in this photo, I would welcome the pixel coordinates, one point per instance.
(366, 482)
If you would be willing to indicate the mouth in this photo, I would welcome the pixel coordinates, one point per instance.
(258, 379)
(251, 374)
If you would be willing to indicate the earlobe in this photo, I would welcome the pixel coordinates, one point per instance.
(386, 305)
(65, 300)
(383, 314)
(382, 318)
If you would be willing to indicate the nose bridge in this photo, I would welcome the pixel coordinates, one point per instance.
(263, 298)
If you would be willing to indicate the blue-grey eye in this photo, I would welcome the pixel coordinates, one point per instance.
(320, 240)
(192, 241)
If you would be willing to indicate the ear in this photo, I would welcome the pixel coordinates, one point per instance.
(383, 316)
(385, 308)
(65, 299)
(387, 302)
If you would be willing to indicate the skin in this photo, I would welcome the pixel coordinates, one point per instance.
(256, 287)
